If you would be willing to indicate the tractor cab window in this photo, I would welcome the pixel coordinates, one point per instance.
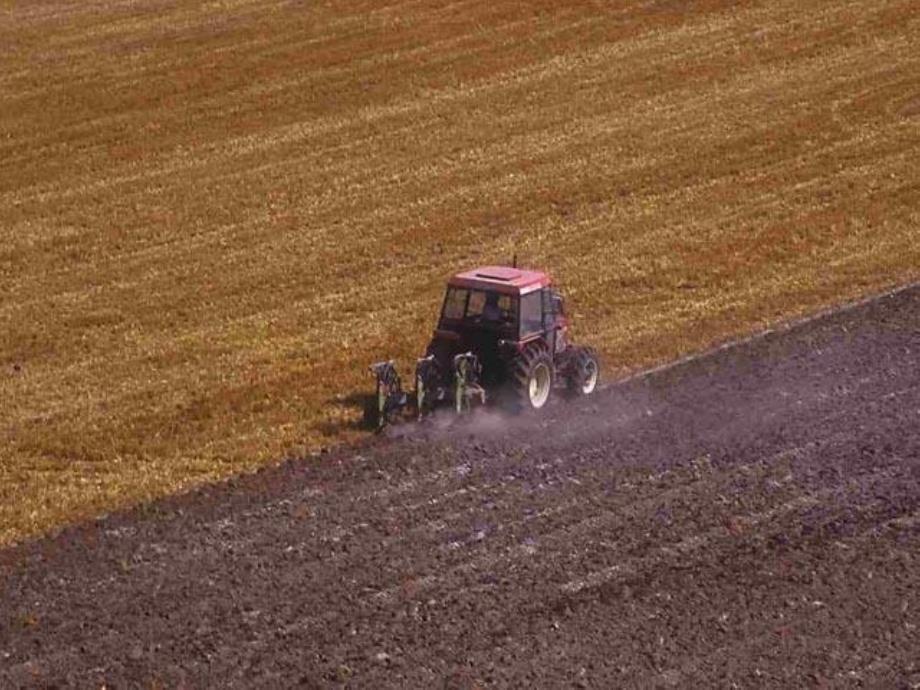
(476, 304)
(490, 306)
(479, 307)
(531, 313)
(455, 303)
(557, 305)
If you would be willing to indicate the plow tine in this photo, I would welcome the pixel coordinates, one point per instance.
(425, 383)
(467, 370)
(389, 393)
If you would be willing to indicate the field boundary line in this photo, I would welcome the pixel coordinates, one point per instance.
(781, 327)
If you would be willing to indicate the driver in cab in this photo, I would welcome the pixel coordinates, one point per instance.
(491, 311)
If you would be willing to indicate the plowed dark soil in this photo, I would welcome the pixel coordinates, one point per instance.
(748, 518)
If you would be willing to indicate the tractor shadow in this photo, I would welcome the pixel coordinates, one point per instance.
(359, 406)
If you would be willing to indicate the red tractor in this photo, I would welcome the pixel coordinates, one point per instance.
(502, 334)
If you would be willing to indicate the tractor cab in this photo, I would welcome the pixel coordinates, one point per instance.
(515, 302)
(492, 312)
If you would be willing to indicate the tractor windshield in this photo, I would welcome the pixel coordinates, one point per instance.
(478, 307)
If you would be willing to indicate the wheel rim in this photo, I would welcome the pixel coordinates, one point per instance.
(590, 382)
(540, 383)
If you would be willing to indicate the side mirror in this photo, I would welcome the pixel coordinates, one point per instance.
(558, 305)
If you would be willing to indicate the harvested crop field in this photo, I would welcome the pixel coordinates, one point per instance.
(214, 215)
(747, 519)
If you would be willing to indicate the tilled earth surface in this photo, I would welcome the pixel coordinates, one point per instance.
(748, 518)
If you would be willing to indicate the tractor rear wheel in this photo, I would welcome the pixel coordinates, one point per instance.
(532, 374)
(585, 371)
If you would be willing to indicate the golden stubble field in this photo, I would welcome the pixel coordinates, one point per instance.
(214, 215)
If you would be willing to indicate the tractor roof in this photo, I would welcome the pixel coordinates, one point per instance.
(513, 281)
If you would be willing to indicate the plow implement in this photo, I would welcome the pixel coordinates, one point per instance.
(391, 401)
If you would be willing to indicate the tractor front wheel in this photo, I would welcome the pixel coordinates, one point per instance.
(532, 374)
(585, 372)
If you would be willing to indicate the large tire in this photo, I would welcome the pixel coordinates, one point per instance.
(532, 374)
(585, 372)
